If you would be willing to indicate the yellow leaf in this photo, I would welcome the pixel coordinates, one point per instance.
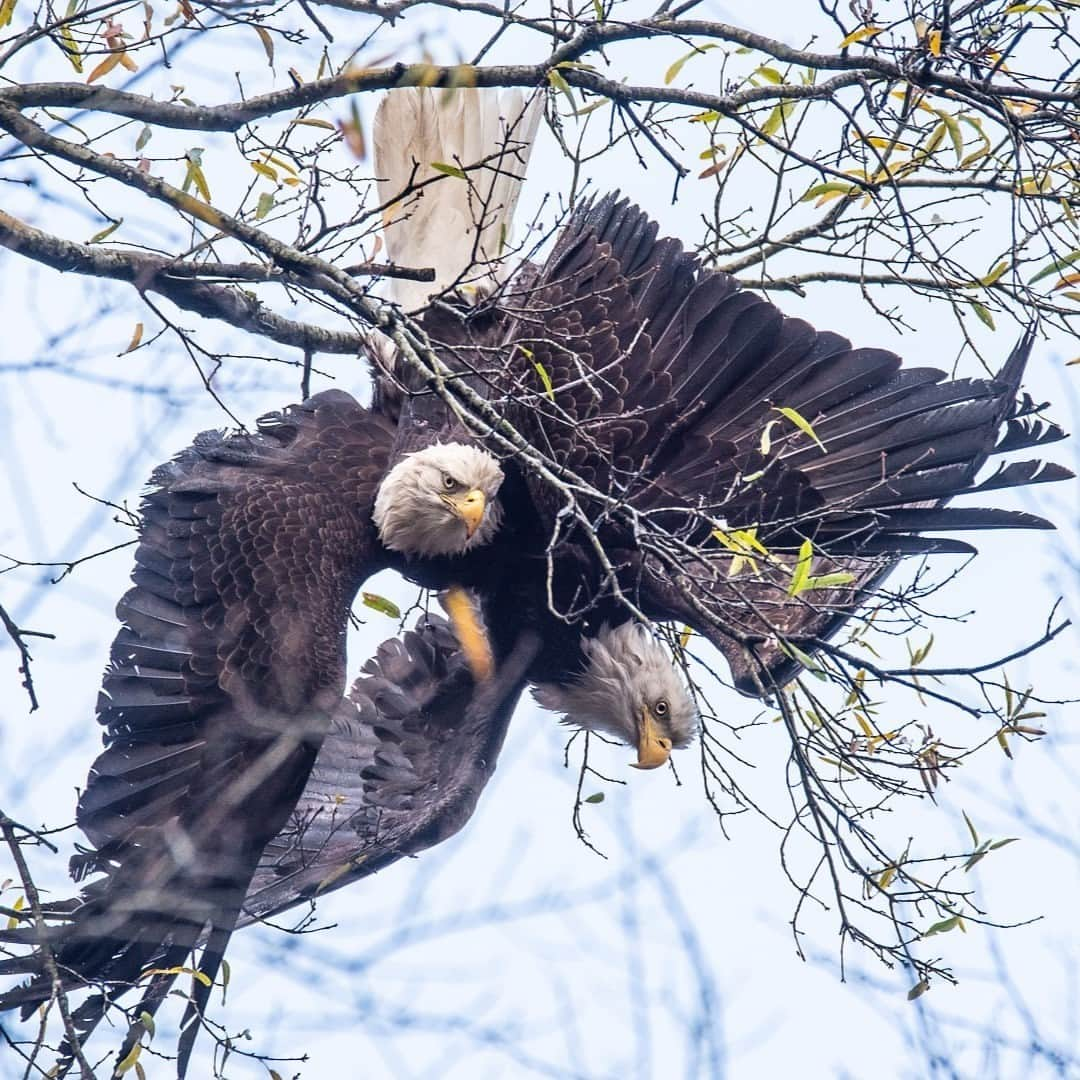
(193, 972)
(264, 170)
(672, 72)
(801, 574)
(267, 43)
(801, 423)
(862, 34)
(934, 42)
(685, 636)
(70, 46)
(105, 66)
(7, 10)
(136, 337)
(886, 877)
(311, 121)
(128, 1062)
(555, 78)
(20, 903)
(545, 378)
(106, 232)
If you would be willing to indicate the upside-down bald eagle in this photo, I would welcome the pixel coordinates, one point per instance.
(676, 422)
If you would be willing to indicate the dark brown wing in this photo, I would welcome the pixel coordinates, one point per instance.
(221, 685)
(401, 769)
(690, 399)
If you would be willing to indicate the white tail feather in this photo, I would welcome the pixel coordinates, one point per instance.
(458, 227)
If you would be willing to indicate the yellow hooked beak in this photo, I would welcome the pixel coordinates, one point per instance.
(469, 507)
(653, 749)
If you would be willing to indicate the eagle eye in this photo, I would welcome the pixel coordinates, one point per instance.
(449, 483)
(661, 708)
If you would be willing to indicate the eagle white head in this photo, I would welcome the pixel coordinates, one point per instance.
(629, 689)
(441, 500)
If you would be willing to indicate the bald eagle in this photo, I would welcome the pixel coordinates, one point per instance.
(674, 428)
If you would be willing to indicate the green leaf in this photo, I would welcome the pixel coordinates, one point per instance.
(147, 1022)
(226, 975)
(801, 574)
(1001, 843)
(800, 657)
(265, 205)
(984, 314)
(597, 798)
(448, 170)
(776, 118)
(831, 188)
(943, 927)
(672, 72)
(769, 74)
(598, 10)
(144, 137)
(829, 581)
(106, 232)
(1057, 265)
(801, 423)
(971, 829)
(557, 81)
(380, 604)
(918, 990)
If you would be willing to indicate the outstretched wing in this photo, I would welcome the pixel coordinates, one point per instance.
(401, 769)
(221, 685)
(698, 404)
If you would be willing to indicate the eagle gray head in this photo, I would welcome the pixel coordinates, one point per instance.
(439, 501)
(629, 689)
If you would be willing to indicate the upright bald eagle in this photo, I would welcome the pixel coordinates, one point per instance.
(670, 409)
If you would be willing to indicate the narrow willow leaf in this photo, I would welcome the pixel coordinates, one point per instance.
(201, 976)
(1056, 266)
(1001, 843)
(545, 378)
(267, 43)
(312, 121)
(885, 880)
(597, 798)
(7, 10)
(106, 65)
(801, 423)
(984, 314)
(831, 188)
(226, 975)
(995, 274)
(864, 33)
(70, 47)
(557, 81)
(136, 337)
(264, 170)
(829, 581)
(448, 170)
(971, 828)
(13, 921)
(129, 1062)
(801, 574)
(770, 74)
(106, 232)
(685, 636)
(672, 72)
(148, 1024)
(943, 927)
(381, 604)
